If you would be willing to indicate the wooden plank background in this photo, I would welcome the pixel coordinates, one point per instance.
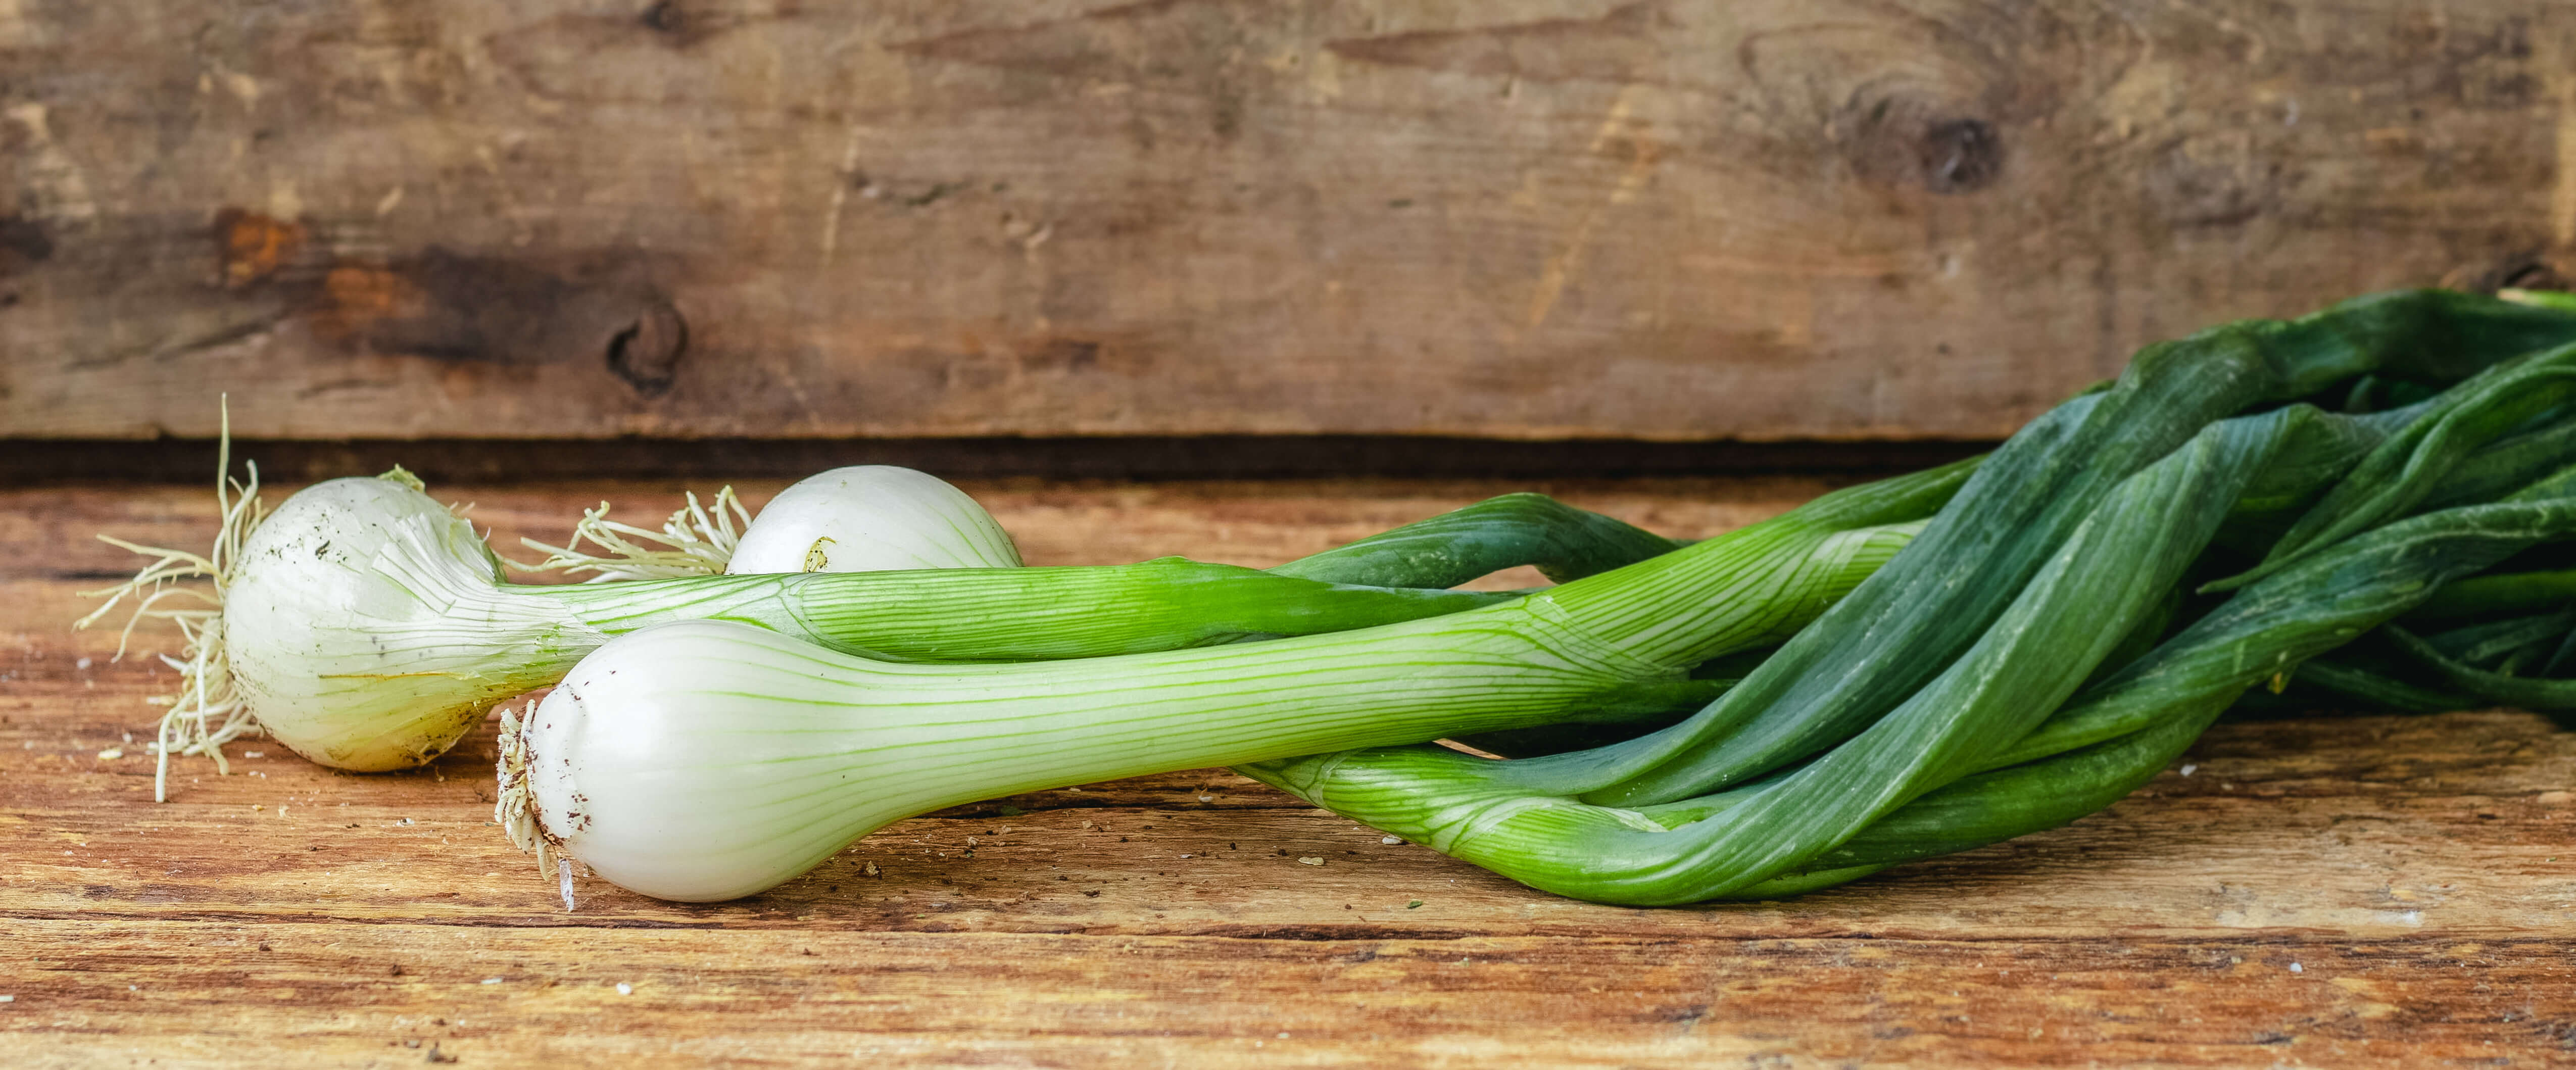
(1656, 219)
(2328, 892)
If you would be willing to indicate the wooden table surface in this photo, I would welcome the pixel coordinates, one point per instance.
(2335, 891)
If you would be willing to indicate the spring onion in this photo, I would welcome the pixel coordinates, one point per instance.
(706, 760)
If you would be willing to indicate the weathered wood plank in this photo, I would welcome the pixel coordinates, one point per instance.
(306, 994)
(1542, 218)
(2419, 873)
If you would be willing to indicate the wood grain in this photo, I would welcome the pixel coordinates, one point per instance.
(2319, 892)
(1655, 219)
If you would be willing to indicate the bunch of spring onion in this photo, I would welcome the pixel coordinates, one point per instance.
(2079, 607)
(367, 626)
(2069, 624)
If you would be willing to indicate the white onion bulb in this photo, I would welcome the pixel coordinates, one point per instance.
(363, 623)
(872, 518)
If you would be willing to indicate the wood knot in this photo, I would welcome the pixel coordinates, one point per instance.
(2528, 273)
(647, 353)
(1960, 155)
(665, 16)
(1906, 141)
(681, 24)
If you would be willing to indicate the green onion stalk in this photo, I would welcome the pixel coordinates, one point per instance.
(2518, 648)
(2069, 544)
(2507, 637)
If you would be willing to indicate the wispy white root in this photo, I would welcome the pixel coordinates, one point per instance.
(208, 711)
(696, 541)
(516, 808)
